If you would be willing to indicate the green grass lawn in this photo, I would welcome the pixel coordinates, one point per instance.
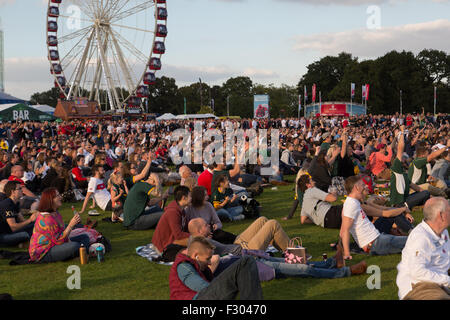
(125, 275)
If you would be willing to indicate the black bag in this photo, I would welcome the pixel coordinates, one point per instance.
(104, 241)
(224, 237)
(170, 252)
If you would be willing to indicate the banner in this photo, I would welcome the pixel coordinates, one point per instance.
(306, 95)
(299, 102)
(314, 93)
(334, 110)
(261, 106)
(352, 89)
(364, 92)
(367, 92)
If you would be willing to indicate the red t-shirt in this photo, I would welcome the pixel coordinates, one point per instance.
(409, 121)
(205, 180)
(14, 178)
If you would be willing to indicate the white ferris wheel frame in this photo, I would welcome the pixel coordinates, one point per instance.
(103, 69)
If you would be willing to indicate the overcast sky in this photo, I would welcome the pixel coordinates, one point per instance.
(271, 41)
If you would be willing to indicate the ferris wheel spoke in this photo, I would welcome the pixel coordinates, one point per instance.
(75, 34)
(108, 76)
(131, 48)
(119, 5)
(122, 63)
(131, 28)
(81, 19)
(79, 71)
(132, 11)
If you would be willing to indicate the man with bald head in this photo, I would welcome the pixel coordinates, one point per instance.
(423, 273)
(199, 228)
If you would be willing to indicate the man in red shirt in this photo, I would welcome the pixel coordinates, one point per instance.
(205, 179)
(77, 173)
(409, 120)
(170, 227)
(29, 200)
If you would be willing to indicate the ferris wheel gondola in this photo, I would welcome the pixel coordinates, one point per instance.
(106, 50)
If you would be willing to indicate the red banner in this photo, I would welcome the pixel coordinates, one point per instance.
(367, 92)
(314, 93)
(334, 110)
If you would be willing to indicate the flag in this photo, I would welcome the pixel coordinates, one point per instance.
(314, 93)
(306, 95)
(364, 92)
(299, 102)
(352, 87)
(367, 92)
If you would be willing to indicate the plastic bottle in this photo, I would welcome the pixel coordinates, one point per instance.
(83, 255)
(100, 255)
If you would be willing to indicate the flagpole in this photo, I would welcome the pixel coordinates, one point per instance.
(351, 99)
(401, 103)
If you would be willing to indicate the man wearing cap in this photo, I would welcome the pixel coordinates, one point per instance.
(326, 137)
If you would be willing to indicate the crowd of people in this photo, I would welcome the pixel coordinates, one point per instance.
(384, 166)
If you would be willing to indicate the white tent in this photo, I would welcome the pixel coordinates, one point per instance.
(7, 106)
(195, 116)
(44, 108)
(166, 116)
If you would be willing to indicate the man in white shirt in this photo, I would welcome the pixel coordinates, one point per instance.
(423, 273)
(356, 223)
(97, 188)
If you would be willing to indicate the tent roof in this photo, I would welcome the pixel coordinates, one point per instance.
(166, 116)
(6, 99)
(33, 114)
(196, 116)
(43, 108)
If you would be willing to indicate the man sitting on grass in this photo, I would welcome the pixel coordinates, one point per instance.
(170, 227)
(356, 223)
(191, 276)
(14, 229)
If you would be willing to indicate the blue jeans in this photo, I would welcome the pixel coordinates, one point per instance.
(388, 244)
(241, 277)
(68, 250)
(230, 213)
(384, 225)
(417, 199)
(319, 269)
(15, 238)
(148, 219)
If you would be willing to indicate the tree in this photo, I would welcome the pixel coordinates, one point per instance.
(326, 73)
(240, 90)
(205, 110)
(164, 97)
(49, 97)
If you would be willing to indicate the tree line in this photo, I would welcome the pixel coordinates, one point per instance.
(415, 75)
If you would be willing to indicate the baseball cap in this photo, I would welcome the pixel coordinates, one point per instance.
(325, 135)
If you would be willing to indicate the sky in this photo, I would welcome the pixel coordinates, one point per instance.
(271, 41)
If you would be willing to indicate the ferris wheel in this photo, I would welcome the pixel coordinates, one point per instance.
(106, 50)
